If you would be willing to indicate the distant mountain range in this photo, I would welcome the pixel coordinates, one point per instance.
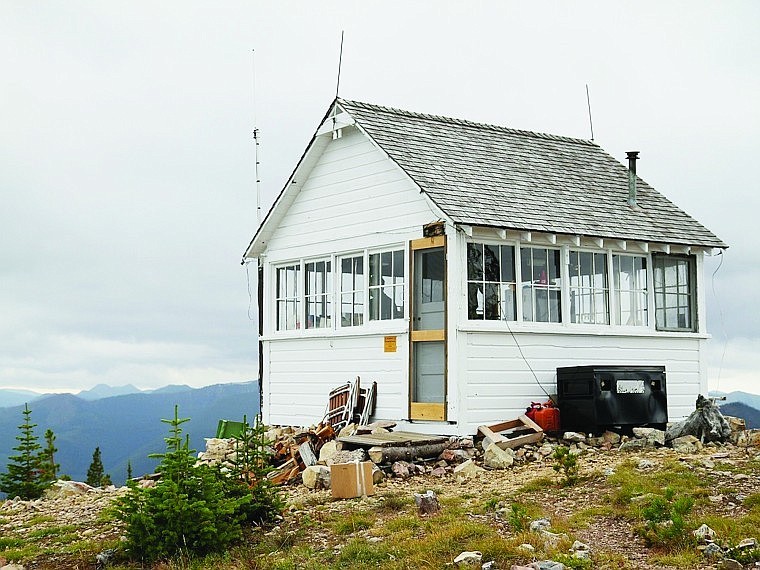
(741, 410)
(751, 400)
(126, 427)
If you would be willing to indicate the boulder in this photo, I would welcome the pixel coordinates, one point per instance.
(747, 543)
(573, 436)
(316, 477)
(705, 423)
(347, 456)
(328, 451)
(633, 445)
(686, 444)
(497, 458)
(467, 470)
(730, 564)
(539, 525)
(653, 437)
(705, 533)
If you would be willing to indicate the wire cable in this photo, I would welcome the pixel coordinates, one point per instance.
(250, 295)
(519, 348)
(722, 321)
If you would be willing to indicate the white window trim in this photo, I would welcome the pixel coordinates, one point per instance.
(387, 326)
(566, 327)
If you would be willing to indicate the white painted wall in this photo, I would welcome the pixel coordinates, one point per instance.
(354, 198)
(497, 384)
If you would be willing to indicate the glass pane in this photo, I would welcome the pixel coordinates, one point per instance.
(386, 263)
(398, 264)
(492, 302)
(374, 304)
(553, 259)
(507, 263)
(508, 307)
(358, 273)
(386, 303)
(474, 301)
(525, 265)
(374, 269)
(474, 262)
(398, 301)
(358, 308)
(491, 262)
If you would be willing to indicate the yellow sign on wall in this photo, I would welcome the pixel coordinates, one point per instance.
(389, 344)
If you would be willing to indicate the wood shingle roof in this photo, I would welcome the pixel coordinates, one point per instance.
(486, 175)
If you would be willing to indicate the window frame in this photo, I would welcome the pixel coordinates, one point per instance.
(326, 296)
(690, 294)
(501, 284)
(354, 291)
(381, 287)
(533, 287)
(615, 291)
(592, 288)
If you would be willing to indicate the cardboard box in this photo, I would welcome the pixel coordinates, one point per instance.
(349, 480)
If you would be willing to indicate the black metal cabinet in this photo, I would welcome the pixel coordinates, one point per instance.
(594, 398)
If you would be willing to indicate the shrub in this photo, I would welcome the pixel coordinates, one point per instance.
(193, 509)
(518, 518)
(665, 518)
(567, 463)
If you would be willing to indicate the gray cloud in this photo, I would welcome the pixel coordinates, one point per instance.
(126, 160)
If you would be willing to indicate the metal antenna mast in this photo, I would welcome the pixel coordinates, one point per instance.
(588, 102)
(256, 141)
(340, 61)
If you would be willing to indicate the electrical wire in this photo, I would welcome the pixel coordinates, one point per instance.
(519, 348)
(722, 321)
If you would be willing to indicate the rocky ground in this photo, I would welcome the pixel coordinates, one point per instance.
(69, 525)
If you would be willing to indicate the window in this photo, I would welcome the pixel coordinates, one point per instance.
(318, 294)
(386, 285)
(588, 288)
(352, 291)
(541, 284)
(490, 282)
(288, 298)
(674, 292)
(629, 274)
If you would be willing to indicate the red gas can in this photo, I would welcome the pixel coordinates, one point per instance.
(545, 415)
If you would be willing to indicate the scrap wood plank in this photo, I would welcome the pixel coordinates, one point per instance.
(393, 438)
(491, 434)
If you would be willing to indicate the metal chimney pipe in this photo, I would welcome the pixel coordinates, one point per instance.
(633, 156)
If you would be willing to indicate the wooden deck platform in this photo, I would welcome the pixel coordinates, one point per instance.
(393, 439)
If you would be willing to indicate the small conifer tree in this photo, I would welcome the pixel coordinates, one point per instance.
(49, 468)
(95, 473)
(24, 475)
(129, 470)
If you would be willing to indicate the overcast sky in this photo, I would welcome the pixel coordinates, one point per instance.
(126, 155)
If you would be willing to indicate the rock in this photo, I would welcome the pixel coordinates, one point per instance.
(328, 450)
(573, 436)
(547, 449)
(708, 463)
(705, 533)
(705, 423)
(633, 445)
(438, 472)
(645, 464)
(468, 559)
(609, 471)
(686, 444)
(712, 550)
(490, 565)
(730, 564)
(715, 499)
(467, 470)
(12, 567)
(611, 437)
(68, 488)
(527, 547)
(539, 525)
(578, 545)
(401, 469)
(456, 455)
(547, 565)
(497, 458)
(747, 543)
(653, 437)
(348, 457)
(316, 477)
(427, 503)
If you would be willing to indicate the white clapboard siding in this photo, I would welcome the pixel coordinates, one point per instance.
(302, 372)
(496, 383)
(354, 197)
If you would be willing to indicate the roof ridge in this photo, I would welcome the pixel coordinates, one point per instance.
(465, 122)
